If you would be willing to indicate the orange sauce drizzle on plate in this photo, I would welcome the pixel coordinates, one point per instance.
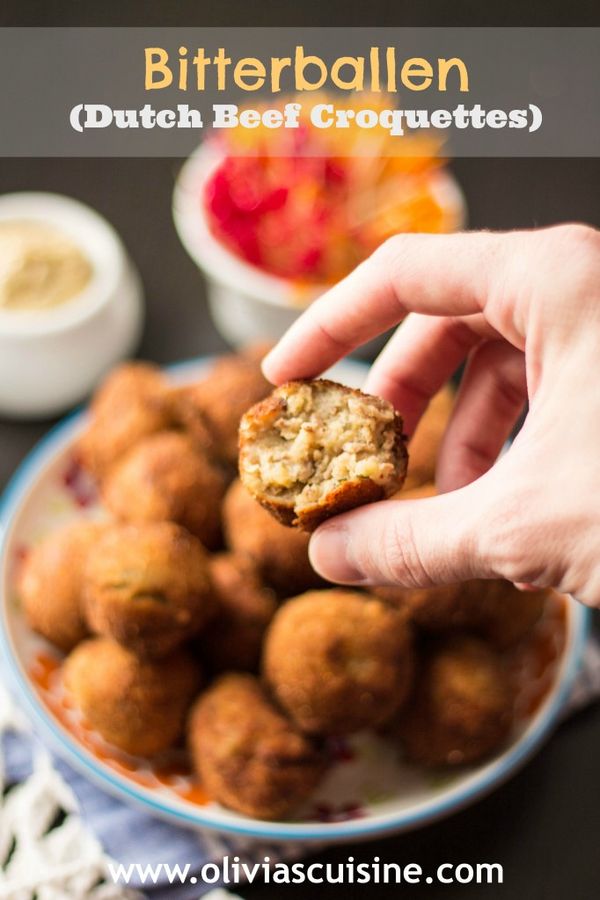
(169, 771)
(534, 662)
(533, 665)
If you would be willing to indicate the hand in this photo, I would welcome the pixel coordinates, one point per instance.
(523, 310)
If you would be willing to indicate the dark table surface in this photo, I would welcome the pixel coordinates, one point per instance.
(543, 827)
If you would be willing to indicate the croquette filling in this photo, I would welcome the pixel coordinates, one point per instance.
(321, 439)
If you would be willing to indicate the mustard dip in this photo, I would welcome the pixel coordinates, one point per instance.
(40, 267)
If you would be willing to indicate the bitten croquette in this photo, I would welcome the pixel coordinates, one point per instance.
(461, 709)
(164, 478)
(136, 705)
(148, 587)
(338, 662)
(314, 449)
(248, 756)
(280, 553)
(51, 583)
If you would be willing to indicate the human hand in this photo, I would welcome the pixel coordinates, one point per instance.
(523, 310)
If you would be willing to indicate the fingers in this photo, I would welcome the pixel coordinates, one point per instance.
(414, 543)
(420, 357)
(440, 275)
(492, 394)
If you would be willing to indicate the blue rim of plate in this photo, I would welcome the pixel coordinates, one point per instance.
(478, 785)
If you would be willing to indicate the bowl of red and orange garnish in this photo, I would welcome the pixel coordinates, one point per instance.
(274, 218)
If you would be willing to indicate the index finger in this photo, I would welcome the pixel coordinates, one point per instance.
(440, 275)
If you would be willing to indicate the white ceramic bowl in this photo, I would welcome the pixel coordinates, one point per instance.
(368, 792)
(246, 303)
(51, 359)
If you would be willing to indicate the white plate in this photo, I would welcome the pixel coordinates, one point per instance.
(368, 792)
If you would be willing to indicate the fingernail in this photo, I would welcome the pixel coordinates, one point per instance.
(330, 552)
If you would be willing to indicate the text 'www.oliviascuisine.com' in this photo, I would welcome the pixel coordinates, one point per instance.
(231, 870)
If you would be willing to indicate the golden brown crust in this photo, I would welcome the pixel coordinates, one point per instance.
(338, 661)
(437, 608)
(424, 445)
(165, 478)
(211, 409)
(51, 583)
(281, 554)
(135, 705)
(188, 419)
(148, 587)
(233, 638)
(263, 413)
(461, 710)
(248, 756)
(132, 403)
(494, 609)
(345, 496)
(505, 615)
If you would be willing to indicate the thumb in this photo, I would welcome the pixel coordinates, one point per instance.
(413, 543)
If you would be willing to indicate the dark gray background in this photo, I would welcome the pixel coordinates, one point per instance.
(543, 826)
(555, 72)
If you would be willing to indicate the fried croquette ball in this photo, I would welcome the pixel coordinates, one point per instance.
(314, 449)
(424, 445)
(244, 607)
(506, 614)
(51, 584)
(437, 608)
(135, 705)
(148, 587)
(494, 609)
(132, 403)
(211, 409)
(461, 709)
(338, 661)
(164, 478)
(280, 553)
(248, 756)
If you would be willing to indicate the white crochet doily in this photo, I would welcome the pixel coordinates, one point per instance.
(46, 851)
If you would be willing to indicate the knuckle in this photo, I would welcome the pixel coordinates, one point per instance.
(577, 234)
(507, 539)
(384, 553)
(512, 391)
(403, 563)
(579, 244)
(328, 337)
(393, 256)
(388, 250)
(509, 384)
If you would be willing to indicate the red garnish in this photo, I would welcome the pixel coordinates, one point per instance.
(326, 812)
(79, 484)
(289, 203)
